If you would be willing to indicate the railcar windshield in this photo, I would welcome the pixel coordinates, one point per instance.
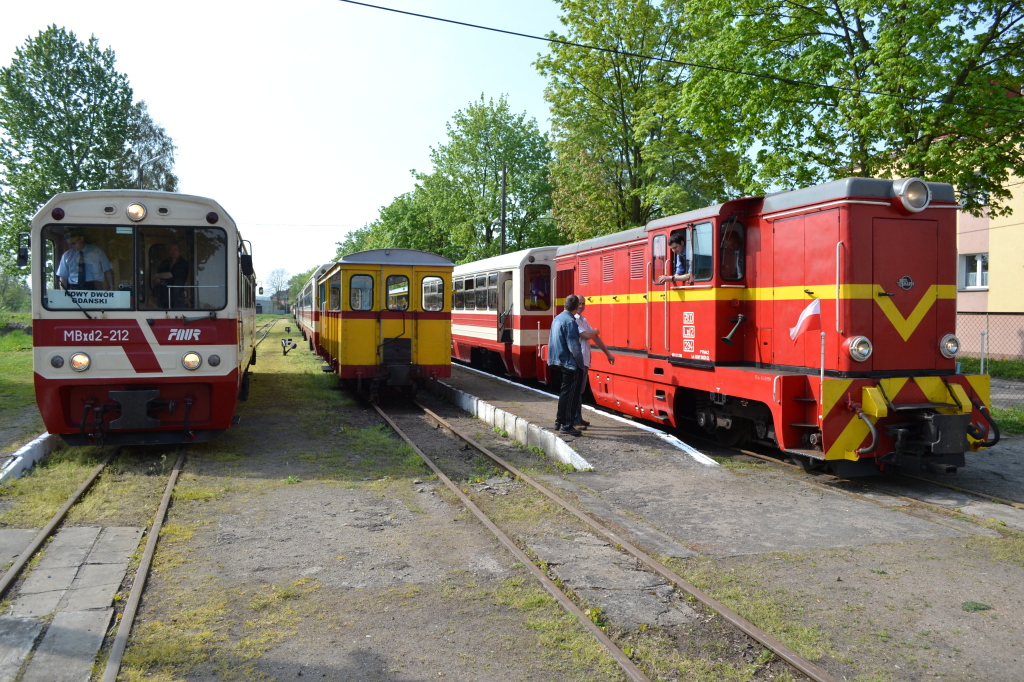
(128, 267)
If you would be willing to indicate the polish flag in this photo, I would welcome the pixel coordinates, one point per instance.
(810, 318)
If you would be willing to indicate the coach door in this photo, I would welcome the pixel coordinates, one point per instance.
(506, 307)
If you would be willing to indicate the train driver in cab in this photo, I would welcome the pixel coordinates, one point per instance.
(84, 266)
(680, 259)
(731, 253)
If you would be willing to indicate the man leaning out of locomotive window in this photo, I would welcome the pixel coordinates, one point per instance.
(680, 261)
(564, 351)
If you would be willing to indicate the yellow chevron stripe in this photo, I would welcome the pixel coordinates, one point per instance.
(831, 392)
(846, 444)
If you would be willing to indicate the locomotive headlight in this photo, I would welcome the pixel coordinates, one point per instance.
(191, 360)
(914, 194)
(949, 346)
(136, 212)
(860, 348)
(80, 362)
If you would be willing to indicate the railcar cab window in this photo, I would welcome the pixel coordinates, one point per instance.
(398, 292)
(360, 292)
(731, 251)
(536, 287)
(132, 267)
(433, 294)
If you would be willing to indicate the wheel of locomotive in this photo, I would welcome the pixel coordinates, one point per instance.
(243, 392)
(735, 436)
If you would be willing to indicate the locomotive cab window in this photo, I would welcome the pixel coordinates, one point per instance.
(731, 251)
(537, 287)
(433, 294)
(702, 248)
(398, 292)
(360, 293)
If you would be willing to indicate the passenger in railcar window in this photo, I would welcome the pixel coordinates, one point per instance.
(537, 293)
(731, 253)
(84, 266)
(679, 247)
(170, 279)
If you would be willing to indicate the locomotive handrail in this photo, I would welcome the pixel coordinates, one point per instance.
(647, 308)
(775, 383)
(839, 245)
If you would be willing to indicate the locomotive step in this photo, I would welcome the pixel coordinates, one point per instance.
(804, 426)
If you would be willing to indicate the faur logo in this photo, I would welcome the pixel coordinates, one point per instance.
(184, 335)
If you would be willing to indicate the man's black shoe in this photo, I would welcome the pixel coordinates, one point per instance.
(569, 431)
(583, 422)
(558, 427)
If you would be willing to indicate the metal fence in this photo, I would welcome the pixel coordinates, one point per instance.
(993, 343)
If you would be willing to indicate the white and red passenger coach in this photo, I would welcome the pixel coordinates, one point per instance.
(502, 311)
(307, 309)
(143, 307)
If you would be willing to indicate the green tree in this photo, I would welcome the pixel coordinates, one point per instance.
(953, 71)
(65, 116)
(455, 210)
(149, 161)
(618, 162)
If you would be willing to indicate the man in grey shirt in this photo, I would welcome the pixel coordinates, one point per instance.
(564, 351)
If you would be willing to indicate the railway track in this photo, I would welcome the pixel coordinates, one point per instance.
(127, 618)
(600, 528)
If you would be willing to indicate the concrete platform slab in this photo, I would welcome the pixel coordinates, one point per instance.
(48, 579)
(605, 575)
(69, 547)
(629, 609)
(37, 605)
(88, 598)
(17, 636)
(13, 542)
(115, 545)
(93, 575)
(68, 649)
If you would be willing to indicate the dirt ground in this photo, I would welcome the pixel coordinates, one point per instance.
(885, 587)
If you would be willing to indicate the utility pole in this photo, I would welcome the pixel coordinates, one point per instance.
(504, 171)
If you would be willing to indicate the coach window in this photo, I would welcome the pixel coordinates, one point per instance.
(492, 291)
(336, 291)
(360, 296)
(398, 292)
(703, 260)
(433, 294)
(537, 287)
(481, 292)
(459, 295)
(470, 294)
(730, 251)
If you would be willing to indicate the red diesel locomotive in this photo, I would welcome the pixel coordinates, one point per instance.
(143, 307)
(821, 320)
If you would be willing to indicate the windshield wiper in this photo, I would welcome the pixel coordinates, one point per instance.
(68, 294)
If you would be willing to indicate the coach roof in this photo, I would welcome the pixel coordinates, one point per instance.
(508, 261)
(396, 257)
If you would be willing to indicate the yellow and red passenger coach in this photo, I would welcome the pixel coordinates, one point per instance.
(385, 320)
(307, 309)
(143, 307)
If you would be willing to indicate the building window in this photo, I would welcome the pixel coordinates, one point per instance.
(974, 271)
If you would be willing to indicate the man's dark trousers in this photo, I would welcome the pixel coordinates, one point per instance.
(569, 396)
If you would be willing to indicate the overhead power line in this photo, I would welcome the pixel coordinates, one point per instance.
(692, 65)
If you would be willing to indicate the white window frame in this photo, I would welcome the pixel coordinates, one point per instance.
(962, 272)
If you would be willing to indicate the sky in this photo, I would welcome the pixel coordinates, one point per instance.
(304, 118)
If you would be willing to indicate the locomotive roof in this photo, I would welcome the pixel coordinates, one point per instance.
(606, 240)
(507, 261)
(870, 188)
(396, 257)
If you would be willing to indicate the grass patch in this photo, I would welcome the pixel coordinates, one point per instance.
(773, 611)
(1004, 369)
(17, 389)
(36, 496)
(1010, 419)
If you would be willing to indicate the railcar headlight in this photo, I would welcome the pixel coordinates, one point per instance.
(136, 212)
(949, 346)
(191, 360)
(80, 362)
(913, 193)
(860, 348)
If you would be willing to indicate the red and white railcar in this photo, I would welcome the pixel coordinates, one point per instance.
(307, 309)
(502, 311)
(143, 307)
(820, 319)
